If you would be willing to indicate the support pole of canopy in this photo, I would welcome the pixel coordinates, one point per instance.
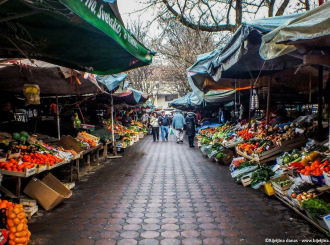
(58, 119)
(113, 132)
(235, 102)
(319, 109)
(268, 102)
(251, 91)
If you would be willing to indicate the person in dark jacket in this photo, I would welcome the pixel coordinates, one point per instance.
(126, 120)
(224, 115)
(191, 123)
(164, 122)
(281, 116)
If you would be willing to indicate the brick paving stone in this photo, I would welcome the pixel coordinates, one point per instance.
(170, 227)
(148, 242)
(171, 195)
(129, 234)
(127, 242)
(190, 233)
(170, 242)
(192, 241)
(170, 234)
(105, 242)
(150, 234)
(212, 241)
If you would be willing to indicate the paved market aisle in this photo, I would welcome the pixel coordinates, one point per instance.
(164, 193)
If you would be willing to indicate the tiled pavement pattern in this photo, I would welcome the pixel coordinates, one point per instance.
(164, 193)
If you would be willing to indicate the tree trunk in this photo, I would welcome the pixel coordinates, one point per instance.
(307, 5)
(271, 8)
(282, 8)
(238, 13)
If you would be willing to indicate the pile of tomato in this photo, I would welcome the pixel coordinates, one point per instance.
(245, 134)
(38, 158)
(13, 165)
(316, 168)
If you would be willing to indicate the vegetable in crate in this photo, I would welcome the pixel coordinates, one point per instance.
(316, 207)
(220, 155)
(246, 164)
(262, 174)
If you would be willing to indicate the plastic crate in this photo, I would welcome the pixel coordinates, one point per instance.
(319, 180)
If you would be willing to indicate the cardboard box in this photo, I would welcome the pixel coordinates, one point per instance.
(70, 143)
(49, 192)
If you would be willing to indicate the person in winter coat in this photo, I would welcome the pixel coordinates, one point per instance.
(155, 126)
(191, 123)
(164, 122)
(126, 120)
(178, 124)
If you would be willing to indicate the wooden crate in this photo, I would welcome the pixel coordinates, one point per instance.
(282, 190)
(26, 173)
(246, 179)
(141, 135)
(267, 154)
(40, 168)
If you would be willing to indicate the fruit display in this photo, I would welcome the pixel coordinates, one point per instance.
(16, 166)
(90, 139)
(245, 134)
(22, 136)
(303, 196)
(316, 168)
(17, 225)
(43, 159)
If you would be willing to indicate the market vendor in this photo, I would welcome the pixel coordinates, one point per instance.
(6, 114)
(126, 119)
(281, 116)
(224, 115)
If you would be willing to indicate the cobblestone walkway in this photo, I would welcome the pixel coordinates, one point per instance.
(164, 193)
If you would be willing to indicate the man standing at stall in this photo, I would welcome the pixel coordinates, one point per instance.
(178, 124)
(164, 122)
(224, 115)
(191, 123)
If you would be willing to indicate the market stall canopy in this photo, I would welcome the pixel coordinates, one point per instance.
(112, 82)
(310, 31)
(189, 100)
(239, 58)
(212, 98)
(131, 97)
(82, 35)
(52, 80)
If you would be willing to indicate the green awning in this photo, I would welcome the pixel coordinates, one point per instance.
(82, 35)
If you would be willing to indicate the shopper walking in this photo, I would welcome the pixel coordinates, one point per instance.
(155, 126)
(178, 124)
(191, 123)
(164, 122)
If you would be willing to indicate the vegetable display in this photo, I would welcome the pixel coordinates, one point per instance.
(262, 174)
(246, 164)
(316, 207)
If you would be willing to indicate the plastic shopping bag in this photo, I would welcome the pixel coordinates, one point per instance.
(171, 131)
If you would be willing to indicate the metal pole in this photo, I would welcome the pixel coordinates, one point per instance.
(112, 129)
(235, 102)
(268, 100)
(58, 119)
(250, 103)
(319, 109)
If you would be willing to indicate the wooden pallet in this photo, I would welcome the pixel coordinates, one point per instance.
(70, 185)
(30, 211)
(27, 202)
(246, 179)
